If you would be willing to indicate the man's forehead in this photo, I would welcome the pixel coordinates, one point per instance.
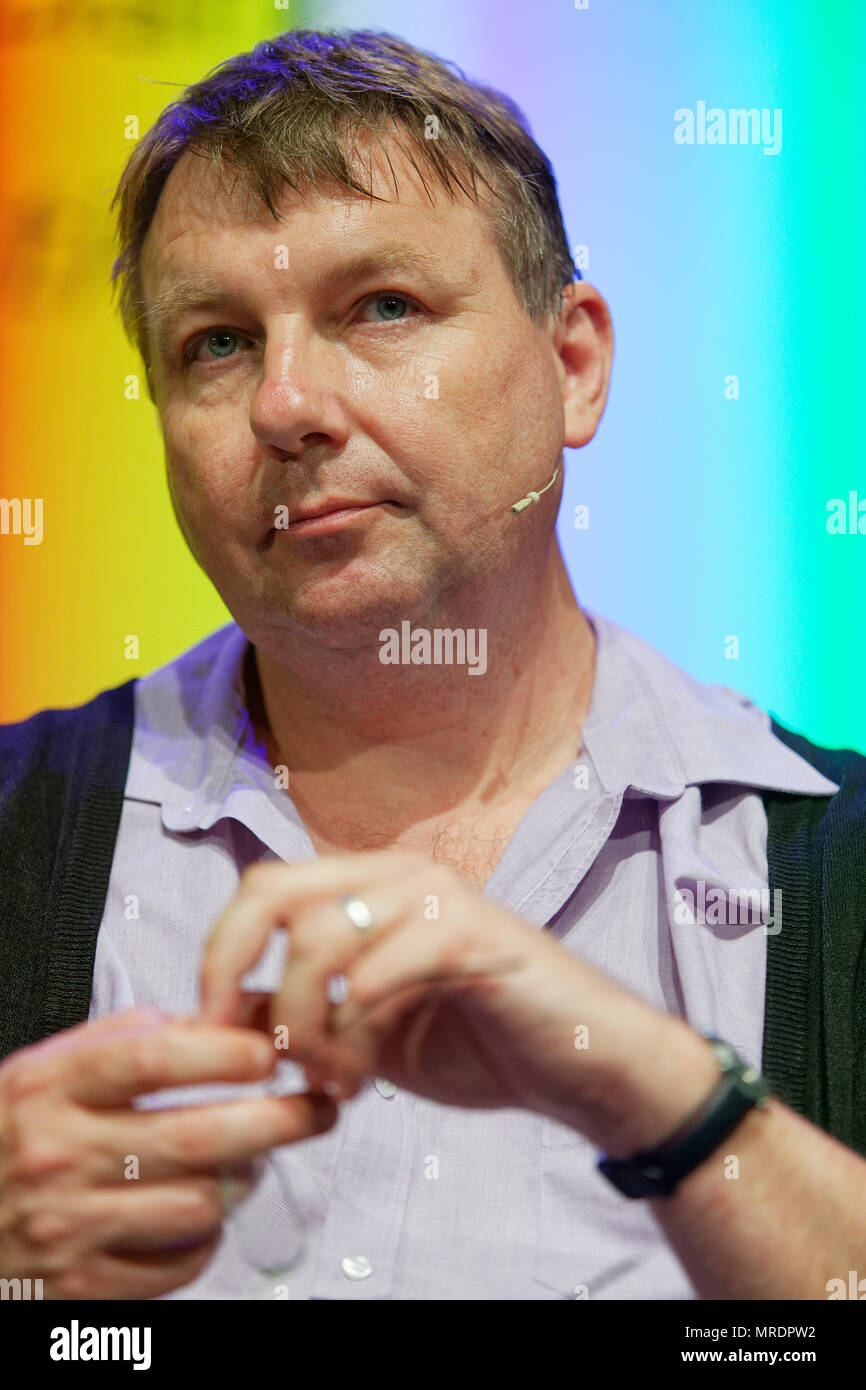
(197, 202)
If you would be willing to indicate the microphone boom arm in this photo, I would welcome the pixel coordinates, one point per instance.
(531, 497)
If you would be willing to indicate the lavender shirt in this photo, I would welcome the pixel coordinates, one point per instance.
(405, 1198)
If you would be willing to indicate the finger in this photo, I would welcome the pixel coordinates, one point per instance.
(57, 1047)
(444, 959)
(398, 971)
(132, 1216)
(269, 896)
(346, 1059)
(188, 1052)
(190, 1139)
(143, 1015)
(325, 942)
(145, 1275)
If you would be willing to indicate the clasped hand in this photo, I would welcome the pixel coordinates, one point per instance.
(450, 995)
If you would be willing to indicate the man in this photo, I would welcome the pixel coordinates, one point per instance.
(414, 761)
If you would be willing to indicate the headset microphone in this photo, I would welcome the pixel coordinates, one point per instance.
(531, 497)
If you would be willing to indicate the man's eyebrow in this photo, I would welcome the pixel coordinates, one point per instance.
(187, 293)
(178, 298)
(390, 258)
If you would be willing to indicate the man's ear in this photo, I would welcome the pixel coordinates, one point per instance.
(584, 345)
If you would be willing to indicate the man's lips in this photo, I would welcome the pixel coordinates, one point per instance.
(331, 517)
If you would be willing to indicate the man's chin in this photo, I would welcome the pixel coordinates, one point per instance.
(351, 622)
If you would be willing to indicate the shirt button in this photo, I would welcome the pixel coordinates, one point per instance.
(357, 1267)
(385, 1088)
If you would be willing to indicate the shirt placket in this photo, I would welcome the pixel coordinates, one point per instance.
(367, 1208)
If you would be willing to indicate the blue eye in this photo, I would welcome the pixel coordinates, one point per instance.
(216, 342)
(391, 300)
(221, 344)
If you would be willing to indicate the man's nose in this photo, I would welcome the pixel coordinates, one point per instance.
(300, 400)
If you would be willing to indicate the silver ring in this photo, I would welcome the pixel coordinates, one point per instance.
(357, 912)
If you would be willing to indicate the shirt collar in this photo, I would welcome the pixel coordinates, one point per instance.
(652, 729)
(194, 742)
(655, 729)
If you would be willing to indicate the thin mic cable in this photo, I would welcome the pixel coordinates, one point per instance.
(531, 497)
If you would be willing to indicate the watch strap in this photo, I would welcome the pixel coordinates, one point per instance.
(656, 1172)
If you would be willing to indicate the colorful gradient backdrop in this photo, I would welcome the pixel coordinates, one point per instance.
(707, 515)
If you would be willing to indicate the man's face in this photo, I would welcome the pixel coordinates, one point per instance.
(419, 384)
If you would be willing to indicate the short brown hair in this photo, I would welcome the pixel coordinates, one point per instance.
(281, 114)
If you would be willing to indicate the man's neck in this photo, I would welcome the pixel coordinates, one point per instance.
(389, 746)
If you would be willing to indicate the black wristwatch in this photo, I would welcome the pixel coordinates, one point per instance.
(656, 1172)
